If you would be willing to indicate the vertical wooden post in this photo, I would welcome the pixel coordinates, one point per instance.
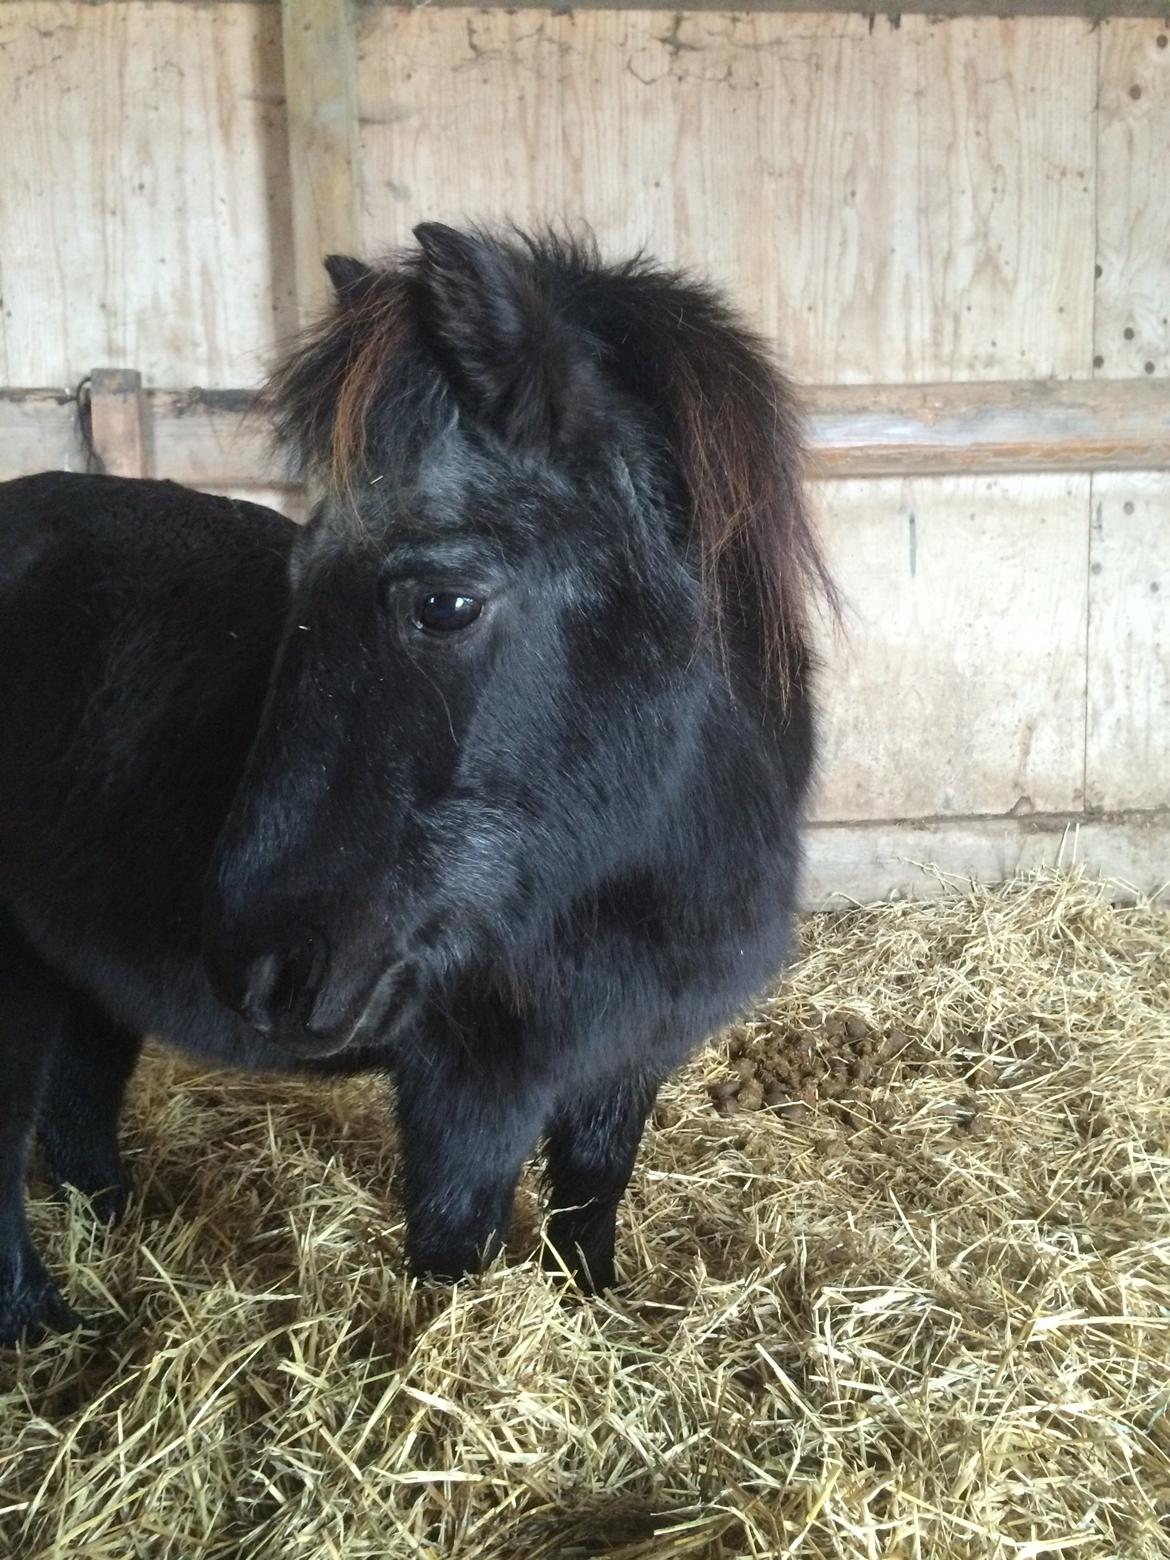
(320, 85)
(117, 423)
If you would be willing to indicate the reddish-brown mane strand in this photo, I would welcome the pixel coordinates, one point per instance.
(383, 330)
(734, 431)
(740, 452)
(729, 417)
(322, 396)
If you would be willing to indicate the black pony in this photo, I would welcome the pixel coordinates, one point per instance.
(490, 778)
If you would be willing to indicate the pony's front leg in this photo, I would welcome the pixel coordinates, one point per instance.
(78, 1125)
(464, 1137)
(592, 1142)
(33, 1005)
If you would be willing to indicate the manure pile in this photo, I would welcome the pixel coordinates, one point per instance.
(896, 1283)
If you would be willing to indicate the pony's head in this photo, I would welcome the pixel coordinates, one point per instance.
(559, 512)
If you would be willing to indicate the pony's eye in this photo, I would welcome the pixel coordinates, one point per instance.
(445, 611)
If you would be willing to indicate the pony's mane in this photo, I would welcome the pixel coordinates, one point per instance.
(726, 415)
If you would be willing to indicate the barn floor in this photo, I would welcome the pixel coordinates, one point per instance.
(916, 1305)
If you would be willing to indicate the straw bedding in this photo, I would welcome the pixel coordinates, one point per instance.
(897, 1263)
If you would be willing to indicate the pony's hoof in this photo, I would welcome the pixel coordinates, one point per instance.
(34, 1312)
(105, 1188)
(109, 1204)
(575, 1273)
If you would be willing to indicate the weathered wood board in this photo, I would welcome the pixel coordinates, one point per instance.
(320, 81)
(867, 861)
(205, 438)
(118, 429)
(1132, 318)
(144, 198)
(1128, 752)
(1014, 426)
(905, 204)
(959, 685)
(891, 204)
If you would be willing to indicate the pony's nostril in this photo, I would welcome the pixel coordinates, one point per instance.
(283, 986)
(260, 986)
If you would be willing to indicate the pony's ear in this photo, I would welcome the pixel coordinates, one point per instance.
(514, 360)
(350, 277)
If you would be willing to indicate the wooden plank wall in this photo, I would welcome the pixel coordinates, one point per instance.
(144, 207)
(970, 206)
(890, 204)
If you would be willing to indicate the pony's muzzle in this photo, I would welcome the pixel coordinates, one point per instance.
(277, 992)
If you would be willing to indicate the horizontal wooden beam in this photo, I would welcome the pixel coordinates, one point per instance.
(864, 862)
(943, 430)
(206, 438)
(215, 438)
(1093, 10)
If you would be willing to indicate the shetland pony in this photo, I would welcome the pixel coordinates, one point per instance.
(490, 778)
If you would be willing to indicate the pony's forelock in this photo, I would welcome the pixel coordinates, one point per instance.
(323, 394)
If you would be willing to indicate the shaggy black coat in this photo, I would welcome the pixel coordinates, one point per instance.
(491, 777)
